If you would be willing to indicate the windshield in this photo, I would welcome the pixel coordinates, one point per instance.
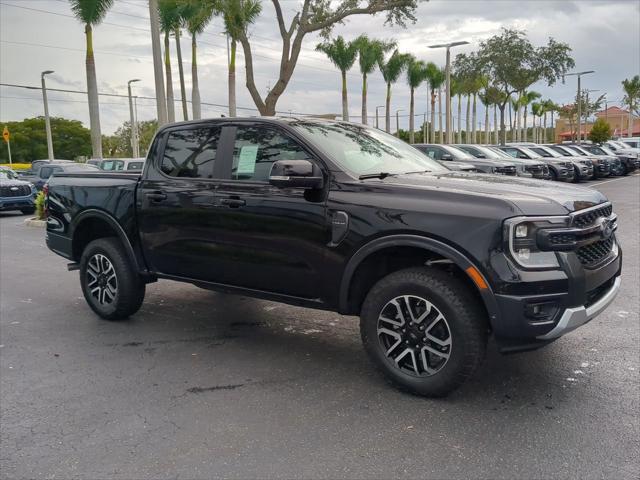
(7, 175)
(361, 150)
(579, 150)
(606, 150)
(458, 153)
(500, 153)
(530, 152)
(597, 150)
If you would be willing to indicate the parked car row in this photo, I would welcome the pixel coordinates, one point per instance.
(16, 194)
(558, 162)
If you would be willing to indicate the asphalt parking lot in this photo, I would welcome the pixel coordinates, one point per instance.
(201, 385)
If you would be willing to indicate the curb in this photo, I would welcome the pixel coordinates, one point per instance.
(34, 222)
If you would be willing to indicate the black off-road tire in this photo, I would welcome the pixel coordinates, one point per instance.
(465, 318)
(554, 175)
(129, 287)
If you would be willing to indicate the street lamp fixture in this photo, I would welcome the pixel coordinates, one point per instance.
(134, 128)
(578, 99)
(448, 46)
(47, 120)
(380, 106)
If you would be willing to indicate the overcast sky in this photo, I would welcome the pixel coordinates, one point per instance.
(39, 35)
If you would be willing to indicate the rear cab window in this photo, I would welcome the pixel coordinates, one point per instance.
(190, 153)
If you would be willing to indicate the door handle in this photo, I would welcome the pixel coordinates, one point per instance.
(233, 202)
(156, 196)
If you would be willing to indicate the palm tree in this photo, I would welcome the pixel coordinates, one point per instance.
(169, 15)
(91, 13)
(391, 70)
(436, 77)
(416, 74)
(631, 99)
(537, 110)
(457, 90)
(475, 85)
(196, 16)
(370, 53)
(526, 99)
(237, 15)
(549, 107)
(343, 55)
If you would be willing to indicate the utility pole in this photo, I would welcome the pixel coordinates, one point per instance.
(398, 123)
(377, 124)
(47, 121)
(161, 102)
(449, 138)
(578, 99)
(134, 128)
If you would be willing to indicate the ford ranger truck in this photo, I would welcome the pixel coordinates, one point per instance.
(342, 217)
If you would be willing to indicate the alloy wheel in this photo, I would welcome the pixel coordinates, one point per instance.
(102, 281)
(414, 335)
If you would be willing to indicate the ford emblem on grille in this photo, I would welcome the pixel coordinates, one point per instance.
(14, 189)
(607, 228)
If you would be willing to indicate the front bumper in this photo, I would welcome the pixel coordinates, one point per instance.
(575, 317)
(16, 203)
(569, 297)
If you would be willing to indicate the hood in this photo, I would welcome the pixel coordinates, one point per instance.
(531, 197)
(4, 182)
(490, 163)
(457, 166)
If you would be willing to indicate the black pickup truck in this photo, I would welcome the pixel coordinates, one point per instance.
(343, 217)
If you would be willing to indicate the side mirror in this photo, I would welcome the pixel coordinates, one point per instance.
(447, 157)
(296, 174)
(481, 155)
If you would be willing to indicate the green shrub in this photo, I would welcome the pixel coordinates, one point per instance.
(40, 206)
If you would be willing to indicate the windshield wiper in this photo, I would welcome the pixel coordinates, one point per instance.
(380, 175)
(419, 171)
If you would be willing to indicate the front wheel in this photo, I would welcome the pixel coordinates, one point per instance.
(111, 286)
(424, 330)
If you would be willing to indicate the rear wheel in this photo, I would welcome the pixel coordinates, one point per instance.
(553, 174)
(111, 286)
(576, 174)
(424, 330)
(28, 211)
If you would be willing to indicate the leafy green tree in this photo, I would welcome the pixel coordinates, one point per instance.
(118, 145)
(631, 99)
(91, 13)
(416, 74)
(600, 132)
(391, 70)
(512, 64)
(370, 53)
(169, 14)
(29, 141)
(237, 16)
(313, 16)
(343, 55)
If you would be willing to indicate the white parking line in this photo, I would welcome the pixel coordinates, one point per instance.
(613, 180)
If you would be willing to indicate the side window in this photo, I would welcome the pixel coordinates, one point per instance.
(134, 166)
(256, 148)
(511, 151)
(190, 153)
(431, 152)
(45, 172)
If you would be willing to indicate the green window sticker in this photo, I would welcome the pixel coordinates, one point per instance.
(247, 160)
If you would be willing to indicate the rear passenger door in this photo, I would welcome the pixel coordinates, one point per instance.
(175, 201)
(268, 238)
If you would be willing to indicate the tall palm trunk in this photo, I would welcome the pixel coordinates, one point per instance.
(459, 118)
(387, 107)
(232, 79)
(544, 135)
(487, 141)
(510, 122)
(183, 91)
(467, 132)
(495, 124)
(432, 138)
(195, 90)
(92, 95)
(411, 121)
(441, 133)
(364, 98)
(553, 128)
(524, 124)
(171, 110)
(474, 118)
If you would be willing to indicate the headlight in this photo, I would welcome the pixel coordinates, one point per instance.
(33, 188)
(520, 239)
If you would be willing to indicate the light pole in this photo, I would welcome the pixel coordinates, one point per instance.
(398, 123)
(578, 99)
(134, 129)
(448, 46)
(47, 121)
(380, 106)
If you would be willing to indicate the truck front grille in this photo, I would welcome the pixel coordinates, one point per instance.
(586, 219)
(15, 191)
(506, 170)
(592, 254)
